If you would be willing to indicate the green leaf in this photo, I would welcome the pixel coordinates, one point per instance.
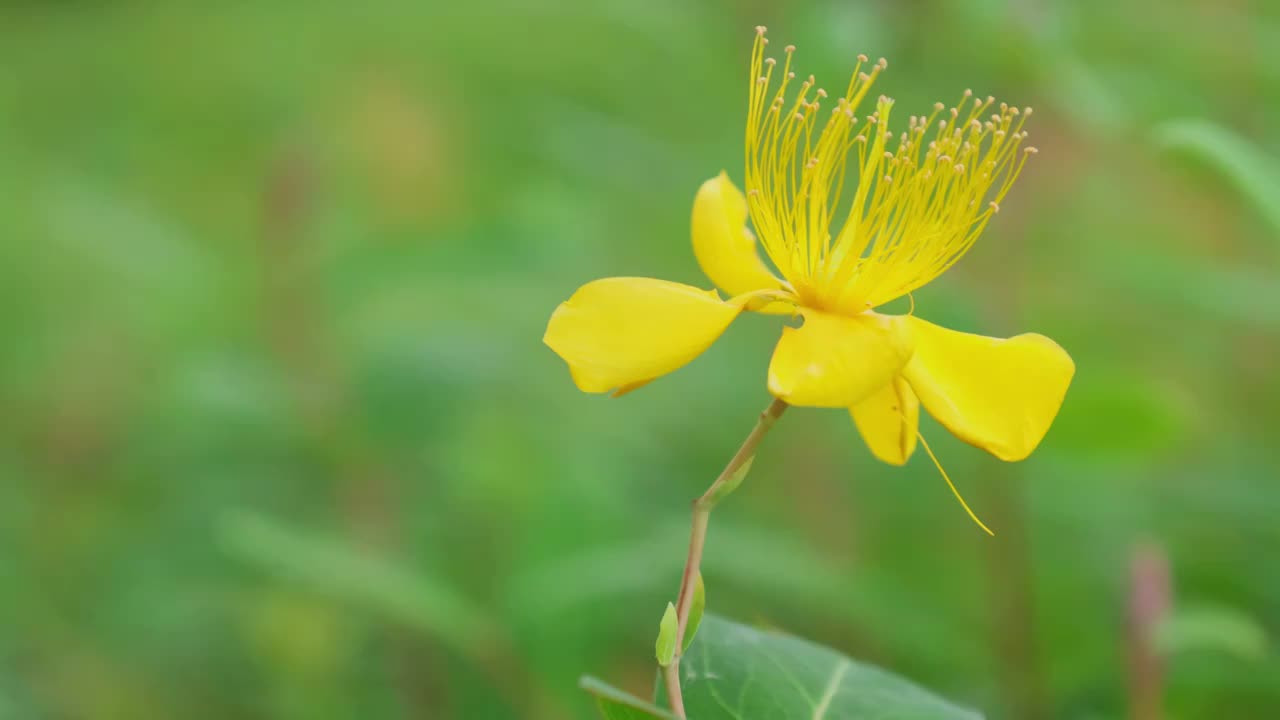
(362, 579)
(1215, 629)
(695, 612)
(735, 672)
(615, 704)
(1255, 174)
(665, 647)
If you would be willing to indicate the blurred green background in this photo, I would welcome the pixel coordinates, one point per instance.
(279, 437)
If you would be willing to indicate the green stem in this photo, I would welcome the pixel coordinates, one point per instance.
(726, 483)
(671, 676)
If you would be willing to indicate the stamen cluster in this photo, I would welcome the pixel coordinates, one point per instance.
(919, 199)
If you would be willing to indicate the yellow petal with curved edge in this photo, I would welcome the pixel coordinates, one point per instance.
(725, 249)
(838, 360)
(623, 332)
(999, 395)
(888, 420)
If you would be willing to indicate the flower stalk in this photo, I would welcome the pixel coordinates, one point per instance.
(728, 481)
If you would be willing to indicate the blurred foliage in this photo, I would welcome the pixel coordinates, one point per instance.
(280, 439)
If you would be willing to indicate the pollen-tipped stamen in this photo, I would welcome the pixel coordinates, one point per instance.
(918, 205)
(789, 184)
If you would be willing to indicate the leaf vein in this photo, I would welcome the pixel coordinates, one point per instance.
(833, 685)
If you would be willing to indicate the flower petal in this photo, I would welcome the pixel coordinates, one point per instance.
(888, 421)
(838, 360)
(999, 395)
(623, 332)
(725, 249)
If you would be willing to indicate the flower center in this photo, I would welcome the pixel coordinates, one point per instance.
(918, 201)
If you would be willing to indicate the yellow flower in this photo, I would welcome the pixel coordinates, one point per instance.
(914, 205)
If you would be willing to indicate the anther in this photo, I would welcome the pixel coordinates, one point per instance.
(995, 207)
(938, 106)
(888, 178)
(770, 61)
(882, 64)
(862, 58)
(791, 75)
(822, 93)
(967, 92)
(1030, 150)
(789, 49)
(863, 77)
(761, 29)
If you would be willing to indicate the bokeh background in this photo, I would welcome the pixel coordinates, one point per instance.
(279, 437)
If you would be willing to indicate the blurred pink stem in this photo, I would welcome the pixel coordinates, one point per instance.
(732, 474)
(1150, 598)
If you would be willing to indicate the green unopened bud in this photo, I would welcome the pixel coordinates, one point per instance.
(665, 648)
(695, 613)
(731, 483)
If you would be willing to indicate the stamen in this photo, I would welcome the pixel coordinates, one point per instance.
(916, 206)
(952, 485)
